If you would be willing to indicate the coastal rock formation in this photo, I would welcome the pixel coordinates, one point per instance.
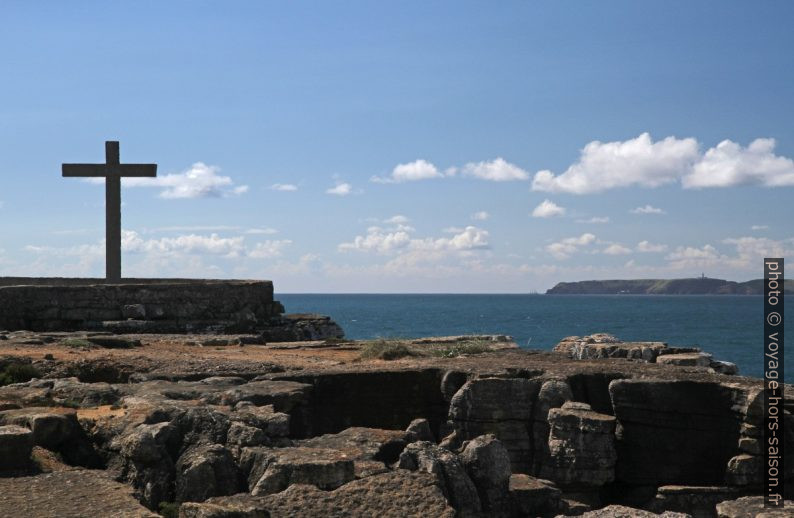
(317, 429)
(603, 345)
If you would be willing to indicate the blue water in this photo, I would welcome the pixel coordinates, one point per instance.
(729, 327)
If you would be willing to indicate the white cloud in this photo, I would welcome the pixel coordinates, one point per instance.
(759, 227)
(634, 162)
(594, 220)
(548, 209)
(565, 248)
(200, 181)
(750, 251)
(648, 247)
(730, 164)
(378, 240)
(341, 189)
(261, 231)
(268, 249)
(480, 216)
(132, 242)
(616, 249)
(284, 187)
(648, 209)
(386, 241)
(410, 172)
(688, 257)
(399, 219)
(498, 170)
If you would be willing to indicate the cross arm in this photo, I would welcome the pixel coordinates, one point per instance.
(104, 170)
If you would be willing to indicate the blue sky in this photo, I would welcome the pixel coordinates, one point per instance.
(401, 147)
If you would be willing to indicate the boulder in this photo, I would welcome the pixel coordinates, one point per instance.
(532, 496)
(396, 494)
(498, 406)
(686, 359)
(620, 511)
(699, 501)
(271, 470)
(205, 471)
(364, 444)
(488, 465)
(450, 473)
(16, 444)
(744, 470)
(753, 507)
(419, 430)
(553, 394)
(581, 446)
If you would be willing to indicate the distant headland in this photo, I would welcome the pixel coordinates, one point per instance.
(692, 286)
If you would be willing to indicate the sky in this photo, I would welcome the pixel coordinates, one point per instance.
(403, 146)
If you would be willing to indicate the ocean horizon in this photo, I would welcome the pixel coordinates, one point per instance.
(730, 327)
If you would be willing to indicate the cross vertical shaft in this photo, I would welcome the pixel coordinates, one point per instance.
(112, 171)
(112, 215)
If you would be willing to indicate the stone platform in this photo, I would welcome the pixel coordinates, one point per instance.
(145, 306)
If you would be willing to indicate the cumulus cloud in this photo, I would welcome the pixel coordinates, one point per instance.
(634, 162)
(645, 163)
(199, 181)
(648, 247)
(616, 249)
(268, 249)
(565, 248)
(480, 216)
(386, 241)
(398, 219)
(132, 242)
(284, 187)
(647, 209)
(687, 257)
(548, 209)
(730, 164)
(341, 189)
(594, 220)
(410, 172)
(498, 170)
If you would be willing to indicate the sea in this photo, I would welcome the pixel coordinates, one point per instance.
(728, 326)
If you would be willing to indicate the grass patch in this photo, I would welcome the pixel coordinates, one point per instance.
(386, 350)
(77, 343)
(169, 509)
(18, 373)
(459, 349)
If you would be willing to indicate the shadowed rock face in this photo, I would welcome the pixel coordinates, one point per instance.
(675, 432)
(339, 437)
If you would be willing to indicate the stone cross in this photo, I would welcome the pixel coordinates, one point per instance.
(112, 171)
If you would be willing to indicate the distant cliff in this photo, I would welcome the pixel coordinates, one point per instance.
(696, 286)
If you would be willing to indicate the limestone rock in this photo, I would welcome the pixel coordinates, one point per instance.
(745, 470)
(581, 446)
(699, 501)
(686, 359)
(724, 367)
(553, 394)
(532, 496)
(204, 471)
(69, 494)
(419, 430)
(488, 465)
(363, 444)
(16, 444)
(620, 511)
(271, 470)
(655, 440)
(499, 406)
(450, 472)
(752, 507)
(395, 494)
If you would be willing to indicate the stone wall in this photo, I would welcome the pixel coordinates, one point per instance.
(151, 305)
